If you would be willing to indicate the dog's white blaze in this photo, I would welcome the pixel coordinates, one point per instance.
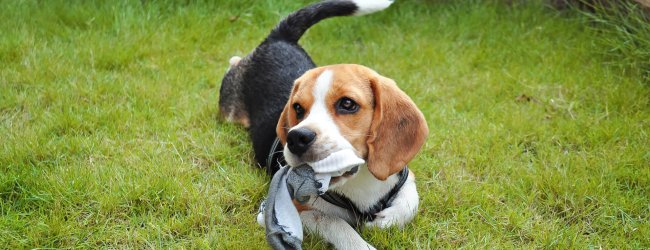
(323, 85)
(370, 6)
(319, 116)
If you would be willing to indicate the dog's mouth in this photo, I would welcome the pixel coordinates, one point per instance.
(336, 167)
(337, 163)
(347, 174)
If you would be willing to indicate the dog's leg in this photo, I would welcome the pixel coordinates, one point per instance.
(334, 230)
(403, 208)
(231, 103)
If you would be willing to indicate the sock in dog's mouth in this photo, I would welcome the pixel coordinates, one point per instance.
(337, 163)
(328, 179)
(335, 167)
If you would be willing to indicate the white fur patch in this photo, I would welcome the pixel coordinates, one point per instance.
(323, 85)
(402, 210)
(234, 61)
(370, 6)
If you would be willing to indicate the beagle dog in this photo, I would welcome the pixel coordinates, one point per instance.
(351, 107)
(296, 114)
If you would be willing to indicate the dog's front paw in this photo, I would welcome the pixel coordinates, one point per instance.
(387, 218)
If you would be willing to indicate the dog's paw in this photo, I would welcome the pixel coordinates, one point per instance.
(386, 218)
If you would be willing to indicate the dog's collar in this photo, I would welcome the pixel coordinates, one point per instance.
(277, 154)
(340, 200)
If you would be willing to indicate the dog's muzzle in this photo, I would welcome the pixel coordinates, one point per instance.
(299, 140)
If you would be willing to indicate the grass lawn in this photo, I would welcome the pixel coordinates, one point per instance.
(110, 135)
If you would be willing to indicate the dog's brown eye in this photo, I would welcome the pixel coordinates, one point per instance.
(346, 106)
(300, 112)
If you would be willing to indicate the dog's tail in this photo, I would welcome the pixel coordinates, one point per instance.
(294, 26)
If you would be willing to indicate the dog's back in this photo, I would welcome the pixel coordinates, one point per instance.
(256, 88)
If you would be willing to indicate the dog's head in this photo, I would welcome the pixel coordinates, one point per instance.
(351, 108)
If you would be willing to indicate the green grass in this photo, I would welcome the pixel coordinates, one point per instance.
(110, 137)
(624, 29)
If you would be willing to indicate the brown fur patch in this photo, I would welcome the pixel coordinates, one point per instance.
(351, 82)
(235, 115)
(398, 129)
(300, 207)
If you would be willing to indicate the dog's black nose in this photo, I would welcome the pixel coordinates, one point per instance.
(299, 140)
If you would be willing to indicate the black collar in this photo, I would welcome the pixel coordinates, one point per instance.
(339, 199)
(276, 154)
(369, 215)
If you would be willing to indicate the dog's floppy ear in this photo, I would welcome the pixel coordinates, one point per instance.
(398, 129)
(283, 125)
(282, 128)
